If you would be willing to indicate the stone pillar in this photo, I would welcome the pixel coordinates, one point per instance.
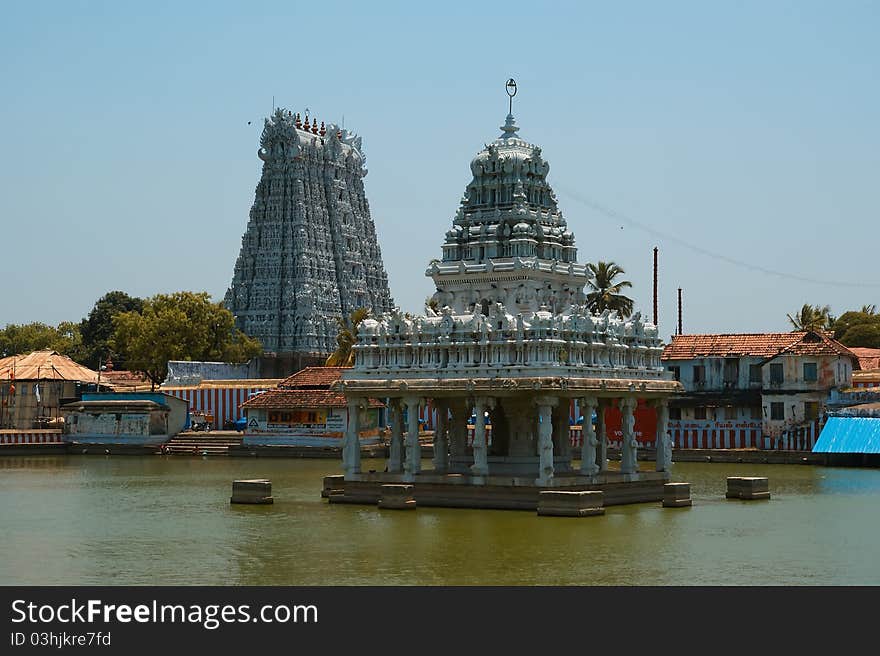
(351, 445)
(457, 431)
(441, 440)
(588, 437)
(545, 439)
(602, 436)
(628, 455)
(413, 463)
(395, 454)
(664, 448)
(481, 460)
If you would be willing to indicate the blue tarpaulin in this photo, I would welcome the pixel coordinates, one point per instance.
(849, 435)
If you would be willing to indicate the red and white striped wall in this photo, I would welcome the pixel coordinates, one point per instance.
(221, 402)
(694, 435)
(31, 437)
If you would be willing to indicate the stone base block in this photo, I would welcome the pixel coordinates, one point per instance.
(252, 491)
(397, 497)
(332, 484)
(677, 495)
(748, 487)
(559, 503)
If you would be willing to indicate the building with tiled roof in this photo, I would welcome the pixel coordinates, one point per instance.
(755, 389)
(303, 410)
(34, 386)
(869, 367)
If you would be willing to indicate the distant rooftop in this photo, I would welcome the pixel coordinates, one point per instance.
(760, 345)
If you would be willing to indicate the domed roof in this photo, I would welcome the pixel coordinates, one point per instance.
(509, 154)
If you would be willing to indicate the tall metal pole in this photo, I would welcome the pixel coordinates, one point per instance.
(655, 285)
(679, 311)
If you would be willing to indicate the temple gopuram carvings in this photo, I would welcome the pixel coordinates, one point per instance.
(310, 253)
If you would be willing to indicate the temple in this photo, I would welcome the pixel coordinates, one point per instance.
(310, 254)
(508, 335)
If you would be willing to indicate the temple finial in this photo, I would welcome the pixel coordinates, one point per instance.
(510, 87)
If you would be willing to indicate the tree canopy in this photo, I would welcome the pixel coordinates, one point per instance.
(178, 326)
(604, 292)
(811, 317)
(24, 338)
(858, 328)
(97, 328)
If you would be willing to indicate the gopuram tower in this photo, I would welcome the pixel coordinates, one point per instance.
(310, 254)
(508, 333)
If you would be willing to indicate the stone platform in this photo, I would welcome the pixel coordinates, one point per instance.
(496, 492)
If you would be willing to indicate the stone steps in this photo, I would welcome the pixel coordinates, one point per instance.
(202, 445)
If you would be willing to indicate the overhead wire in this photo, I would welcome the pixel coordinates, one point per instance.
(620, 216)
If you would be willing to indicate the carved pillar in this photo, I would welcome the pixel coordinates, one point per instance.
(351, 446)
(395, 459)
(545, 439)
(664, 448)
(602, 436)
(628, 455)
(481, 460)
(588, 437)
(413, 463)
(441, 442)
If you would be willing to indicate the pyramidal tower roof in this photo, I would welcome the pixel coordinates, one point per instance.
(509, 242)
(310, 254)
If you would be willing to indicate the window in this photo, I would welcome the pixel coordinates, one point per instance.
(811, 409)
(731, 372)
(755, 412)
(675, 414)
(810, 373)
(700, 412)
(776, 375)
(699, 373)
(755, 373)
(777, 410)
(676, 372)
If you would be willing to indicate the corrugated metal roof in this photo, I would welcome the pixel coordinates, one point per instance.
(849, 435)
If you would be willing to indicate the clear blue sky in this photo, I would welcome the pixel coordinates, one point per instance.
(748, 130)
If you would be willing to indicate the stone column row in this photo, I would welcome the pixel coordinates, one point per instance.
(449, 435)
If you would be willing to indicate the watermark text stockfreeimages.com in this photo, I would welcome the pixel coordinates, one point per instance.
(209, 616)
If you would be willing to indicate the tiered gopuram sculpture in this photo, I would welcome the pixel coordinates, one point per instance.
(507, 332)
(310, 253)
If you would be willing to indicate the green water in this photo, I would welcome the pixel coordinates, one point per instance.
(95, 520)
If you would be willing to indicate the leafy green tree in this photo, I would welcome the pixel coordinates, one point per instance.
(811, 317)
(850, 319)
(343, 356)
(97, 327)
(24, 338)
(604, 292)
(179, 326)
(866, 335)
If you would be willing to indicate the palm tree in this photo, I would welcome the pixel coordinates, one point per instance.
(870, 310)
(343, 356)
(812, 317)
(605, 292)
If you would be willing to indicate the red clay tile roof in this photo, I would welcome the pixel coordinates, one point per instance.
(284, 399)
(313, 377)
(869, 358)
(761, 345)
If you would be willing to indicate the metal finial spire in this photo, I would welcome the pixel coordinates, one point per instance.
(510, 87)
